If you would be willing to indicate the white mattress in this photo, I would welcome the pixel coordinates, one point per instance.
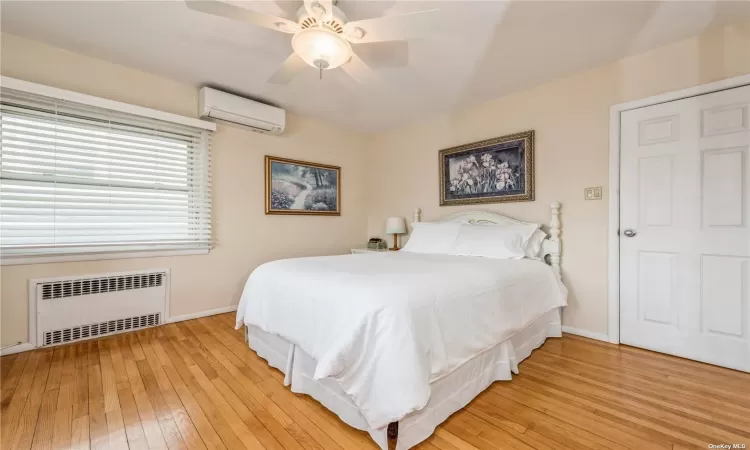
(448, 394)
(387, 325)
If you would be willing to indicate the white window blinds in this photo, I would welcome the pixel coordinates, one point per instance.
(81, 179)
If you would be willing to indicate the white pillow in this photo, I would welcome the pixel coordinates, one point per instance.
(432, 237)
(492, 241)
(533, 246)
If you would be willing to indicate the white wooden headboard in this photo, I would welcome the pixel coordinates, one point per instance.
(551, 247)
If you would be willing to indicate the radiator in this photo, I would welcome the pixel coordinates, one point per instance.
(69, 309)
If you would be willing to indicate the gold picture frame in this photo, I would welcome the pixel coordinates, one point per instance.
(497, 170)
(296, 187)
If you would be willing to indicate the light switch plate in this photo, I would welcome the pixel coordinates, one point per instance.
(593, 193)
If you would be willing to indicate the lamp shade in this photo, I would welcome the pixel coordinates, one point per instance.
(395, 225)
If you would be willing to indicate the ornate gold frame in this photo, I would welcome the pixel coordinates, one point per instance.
(527, 196)
(271, 159)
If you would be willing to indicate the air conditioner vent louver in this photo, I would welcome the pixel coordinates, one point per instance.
(101, 329)
(73, 288)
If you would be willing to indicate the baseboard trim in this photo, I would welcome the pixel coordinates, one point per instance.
(25, 346)
(586, 333)
(212, 312)
(198, 315)
(18, 348)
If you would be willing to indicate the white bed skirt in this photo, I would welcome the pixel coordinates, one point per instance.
(448, 394)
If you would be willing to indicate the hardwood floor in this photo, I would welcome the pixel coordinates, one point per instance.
(196, 385)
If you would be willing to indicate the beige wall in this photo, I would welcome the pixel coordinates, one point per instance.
(571, 119)
(245, 236)
(383, 175)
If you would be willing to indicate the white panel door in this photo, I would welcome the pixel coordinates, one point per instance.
(685, 228)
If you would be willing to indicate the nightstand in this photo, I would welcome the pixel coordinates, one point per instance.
(368, 250)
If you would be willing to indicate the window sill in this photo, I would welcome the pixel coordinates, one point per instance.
(25, 260)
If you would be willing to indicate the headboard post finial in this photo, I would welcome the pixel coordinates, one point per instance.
(417, 215)
(554, 232)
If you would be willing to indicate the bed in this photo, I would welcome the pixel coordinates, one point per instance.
(395, 342)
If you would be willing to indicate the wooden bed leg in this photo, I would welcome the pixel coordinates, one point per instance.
(392, 435)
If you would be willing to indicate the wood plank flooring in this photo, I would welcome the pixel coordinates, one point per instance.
(196, 385)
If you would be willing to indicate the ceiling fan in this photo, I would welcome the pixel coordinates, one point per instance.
(322, 37)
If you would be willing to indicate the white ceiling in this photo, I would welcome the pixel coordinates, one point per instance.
(480, 50)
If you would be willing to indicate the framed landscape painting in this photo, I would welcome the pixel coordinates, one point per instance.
(299, 187)
(493, 171)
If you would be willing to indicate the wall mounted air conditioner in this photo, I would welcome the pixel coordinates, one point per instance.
(258, 117)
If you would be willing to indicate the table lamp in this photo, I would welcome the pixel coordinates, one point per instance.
(395, 226)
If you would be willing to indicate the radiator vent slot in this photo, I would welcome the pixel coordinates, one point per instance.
(101, 329)
(88, 286)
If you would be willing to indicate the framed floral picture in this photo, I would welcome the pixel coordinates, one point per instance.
(299, 187)
(493, 171)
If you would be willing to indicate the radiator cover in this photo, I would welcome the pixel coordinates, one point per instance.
(69, 309)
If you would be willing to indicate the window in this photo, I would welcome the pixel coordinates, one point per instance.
(77, 178)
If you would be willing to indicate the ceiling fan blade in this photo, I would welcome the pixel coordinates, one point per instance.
(223, 9)
(359, 71)
(320, 9)
(384, 55)
(290, 68)
(392, 28)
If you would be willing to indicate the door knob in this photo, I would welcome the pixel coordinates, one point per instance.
(629, 232)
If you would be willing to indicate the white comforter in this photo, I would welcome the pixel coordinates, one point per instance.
(385, 325)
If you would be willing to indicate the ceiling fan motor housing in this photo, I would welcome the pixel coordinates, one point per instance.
(305, 20)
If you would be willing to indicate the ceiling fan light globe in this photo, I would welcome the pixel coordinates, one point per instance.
(321, 44)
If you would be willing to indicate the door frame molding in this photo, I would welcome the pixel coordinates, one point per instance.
(613, 244)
